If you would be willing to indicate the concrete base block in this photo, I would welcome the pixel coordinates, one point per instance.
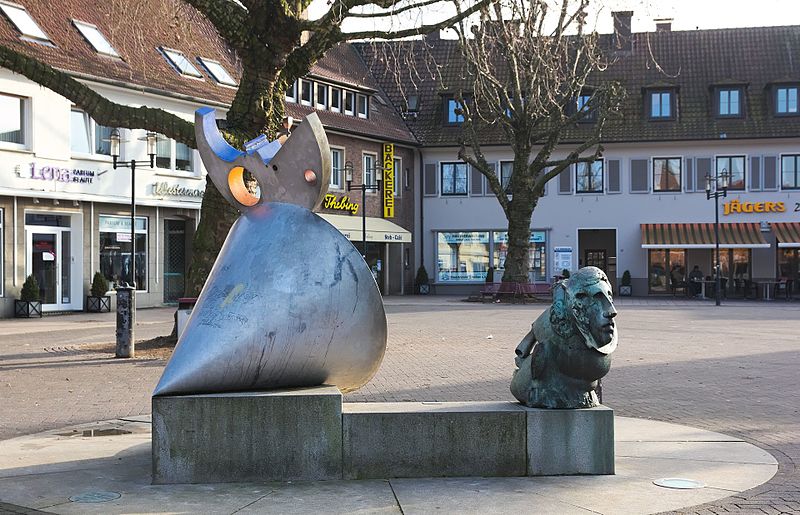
(248, 436)
(448, 439)
(568, 442)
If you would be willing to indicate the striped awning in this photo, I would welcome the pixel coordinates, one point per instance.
(701, 236)
(787, 233)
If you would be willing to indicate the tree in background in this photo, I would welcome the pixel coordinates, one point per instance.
(533, 76)
(275, 43)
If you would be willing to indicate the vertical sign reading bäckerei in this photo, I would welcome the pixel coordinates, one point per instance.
(388, 180)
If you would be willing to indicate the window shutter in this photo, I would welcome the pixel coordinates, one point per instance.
(431, 183)
(614, 176)
(689, 185)
(702, 168)
(639, 176)
(565, 181)
(755, 173)
(476, 189)
(770, 173)
(486, 189)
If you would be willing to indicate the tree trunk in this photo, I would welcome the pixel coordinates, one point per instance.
(519, 234)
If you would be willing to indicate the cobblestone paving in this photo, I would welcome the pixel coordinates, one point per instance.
(732, 369)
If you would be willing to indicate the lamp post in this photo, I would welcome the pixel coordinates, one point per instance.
(126, 294)
(721, 181)
(376, 186)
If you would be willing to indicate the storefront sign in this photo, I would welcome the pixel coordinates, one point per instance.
(121, 224)
(388, 180)
(563, 259)
(339, 204)
(162, 189)
(536, 237)
(734, 206)
(57, 174)
(465, 237)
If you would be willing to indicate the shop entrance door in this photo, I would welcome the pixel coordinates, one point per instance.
(596, 258)
(49, 261)
(174, 260)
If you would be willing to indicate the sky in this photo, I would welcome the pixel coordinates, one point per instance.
(686, 14)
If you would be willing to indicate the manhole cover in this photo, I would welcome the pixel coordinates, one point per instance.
(94, 497)
(679, 483)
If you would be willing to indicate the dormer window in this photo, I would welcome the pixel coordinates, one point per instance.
(23, 22)
(181, 64)
(336, 99)
(306, 92)
(217, 71)
(582, 105)
(729, 102)
(95, 38)
(454, 115)
(349, 102)
(291, 92)
(661, 104)
(786, 100)
(322, 96)
(362, 102)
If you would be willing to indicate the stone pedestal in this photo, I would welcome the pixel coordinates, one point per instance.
(570, 441)
(248, 436)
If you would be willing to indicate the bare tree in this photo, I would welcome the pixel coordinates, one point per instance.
(532, 81)
(275, 43)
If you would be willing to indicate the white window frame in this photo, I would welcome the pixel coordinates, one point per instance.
(166, 51)
(366, 106)
(345, 94)
(145, 231)
(92, 128)
(304, 102)
(38, 38)
(321, 88)
(205, 62)
(336, 109)
(337, 175)
(25, 129)
(369, 179)
(294, 90)
(173, 154)
(398, 176)
(86, 28)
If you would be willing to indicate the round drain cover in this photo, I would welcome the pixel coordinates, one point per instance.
(93, 497)
(679, 483)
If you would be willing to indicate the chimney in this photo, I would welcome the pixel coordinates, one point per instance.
(622, 30)
(663, 24)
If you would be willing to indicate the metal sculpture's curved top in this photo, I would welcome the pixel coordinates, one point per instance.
(297, 172)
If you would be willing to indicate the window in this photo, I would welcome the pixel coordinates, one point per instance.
(306, 92)
(322, 96)
(291, 92)
(506, 168)
(790, 172)
(454, 178)
(455, 115)
(336, 167)
(349, 102)
(181, 63)
(369, 168)
(582, 104)
(88, 137)
(661, 264)
(363, 106)
(115, 249)
(734, 165)
(661, 106)
(336, 99)
(23, 21)
(462, 256)
(589, 177)
(537, 254)
(397, 171)
(666, 174)
(12, 120)
(167, 148)
(95, 38)
(786, 100)
(217, 71)
(729, 102)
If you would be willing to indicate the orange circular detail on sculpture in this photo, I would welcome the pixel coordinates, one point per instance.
(239, 188)
(310, 176)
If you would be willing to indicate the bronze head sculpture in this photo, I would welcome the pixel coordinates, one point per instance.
(569, 346)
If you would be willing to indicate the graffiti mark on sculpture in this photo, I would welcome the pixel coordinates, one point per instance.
(569, 346)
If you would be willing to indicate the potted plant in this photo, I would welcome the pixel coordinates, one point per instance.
(28, 305)
(98, 301)
(625, 284)
(423, 286)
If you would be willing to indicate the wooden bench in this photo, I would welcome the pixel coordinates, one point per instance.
(519, 292)
(532, 291)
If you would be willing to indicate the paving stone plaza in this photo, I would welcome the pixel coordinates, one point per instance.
(732, 370)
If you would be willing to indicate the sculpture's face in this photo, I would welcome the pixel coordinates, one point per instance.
(593, 309)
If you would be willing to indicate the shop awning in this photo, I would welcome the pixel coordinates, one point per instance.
(378, 229)
(787, 233)
(701, 236)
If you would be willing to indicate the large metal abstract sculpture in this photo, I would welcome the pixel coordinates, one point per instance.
(290, 301)
(569, 346)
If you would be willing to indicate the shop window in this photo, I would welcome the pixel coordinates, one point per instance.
(454, 178)
(786, 100)
(666, 267)
(291, 92)
(506, 169)
(537, 255)
(790, 172)
(789, 266)
(23, 22)
(173, 155)
(369, 168)
(363, 106)
(349, 102)
(87, 136)
(666, 174)
(734, 165)
(729, 102)
(217, 71)
(12, 121)
(462, 256)
(95, 38)
(337, 164)
(181, 63)
(661, 105)
(115, 249)
(336, 99)
(589, 177)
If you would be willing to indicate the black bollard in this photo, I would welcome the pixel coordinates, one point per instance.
(126, 320)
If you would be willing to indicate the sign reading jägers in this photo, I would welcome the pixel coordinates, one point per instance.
(388, 180)
(163, 189)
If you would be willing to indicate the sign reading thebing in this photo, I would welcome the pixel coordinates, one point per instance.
(388, 180)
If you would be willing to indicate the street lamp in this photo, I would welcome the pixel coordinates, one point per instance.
(126, 294)
(376, 186)
(721, 181)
